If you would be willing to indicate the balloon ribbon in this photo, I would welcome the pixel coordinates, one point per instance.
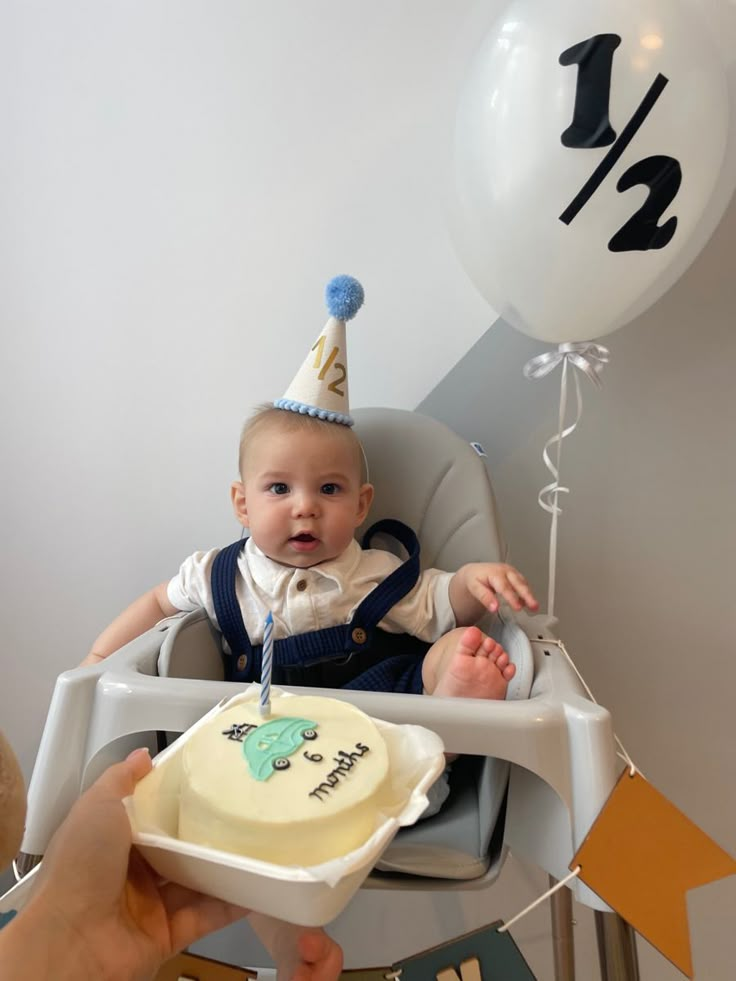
(589, 358)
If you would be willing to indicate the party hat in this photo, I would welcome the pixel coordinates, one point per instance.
(320, 387)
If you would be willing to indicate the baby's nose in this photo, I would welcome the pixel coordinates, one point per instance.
(305, 504)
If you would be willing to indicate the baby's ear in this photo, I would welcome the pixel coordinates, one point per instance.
(237, 496)
(365, 499)
(12, 804)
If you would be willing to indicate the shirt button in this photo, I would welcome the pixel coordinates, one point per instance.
(242, 661)
(301, 585)
(359, 636)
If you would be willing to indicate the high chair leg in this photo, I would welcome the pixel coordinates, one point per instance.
(616, 948)
(563, 945)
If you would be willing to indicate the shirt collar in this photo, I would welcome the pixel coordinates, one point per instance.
(266, 572)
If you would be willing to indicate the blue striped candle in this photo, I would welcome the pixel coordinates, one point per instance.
(267, 666)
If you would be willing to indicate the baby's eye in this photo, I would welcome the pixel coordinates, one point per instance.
(330, 488)
(279, 488)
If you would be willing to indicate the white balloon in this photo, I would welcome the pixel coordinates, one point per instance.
(566, 239)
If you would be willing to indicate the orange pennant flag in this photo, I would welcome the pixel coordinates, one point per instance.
(641, 856)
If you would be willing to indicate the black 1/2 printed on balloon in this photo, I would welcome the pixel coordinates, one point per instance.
(591, 128)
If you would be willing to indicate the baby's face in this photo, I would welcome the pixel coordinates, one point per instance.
(12, 804)
(303, 498)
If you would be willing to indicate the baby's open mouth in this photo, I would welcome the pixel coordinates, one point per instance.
(304, 542)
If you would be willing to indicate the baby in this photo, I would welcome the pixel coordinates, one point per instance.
(302, 493)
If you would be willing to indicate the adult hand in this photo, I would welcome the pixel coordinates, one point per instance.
(99, 910)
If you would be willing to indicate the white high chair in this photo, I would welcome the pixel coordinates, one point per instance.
(558, 746)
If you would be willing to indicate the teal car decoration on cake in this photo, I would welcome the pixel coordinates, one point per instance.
(268, 747)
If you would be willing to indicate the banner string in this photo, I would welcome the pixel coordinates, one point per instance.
(558, 885)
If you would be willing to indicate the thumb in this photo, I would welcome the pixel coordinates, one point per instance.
(119, 780)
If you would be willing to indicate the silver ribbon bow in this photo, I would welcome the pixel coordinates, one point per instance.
(590, 358)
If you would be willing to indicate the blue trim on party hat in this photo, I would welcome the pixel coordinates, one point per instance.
(312, 410)
(344, 297)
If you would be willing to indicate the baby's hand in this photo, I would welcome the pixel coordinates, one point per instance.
(486, 581)
(320, 957)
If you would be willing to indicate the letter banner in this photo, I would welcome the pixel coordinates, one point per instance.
(483, 955)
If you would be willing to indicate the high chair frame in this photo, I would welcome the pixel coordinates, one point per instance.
(560, 745)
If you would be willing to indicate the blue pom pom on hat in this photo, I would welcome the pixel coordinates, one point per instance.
(320, 387)
(344, 297)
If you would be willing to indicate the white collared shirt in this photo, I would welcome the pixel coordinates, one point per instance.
(324, 595)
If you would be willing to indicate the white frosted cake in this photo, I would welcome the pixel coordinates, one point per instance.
(299, 787)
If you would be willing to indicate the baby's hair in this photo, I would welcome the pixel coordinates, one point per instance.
(267, 416)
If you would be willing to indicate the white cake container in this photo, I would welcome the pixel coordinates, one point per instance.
(309, 896)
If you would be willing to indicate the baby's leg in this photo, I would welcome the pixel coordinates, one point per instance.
(466, 663)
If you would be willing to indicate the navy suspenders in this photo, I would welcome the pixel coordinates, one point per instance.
(331, 657)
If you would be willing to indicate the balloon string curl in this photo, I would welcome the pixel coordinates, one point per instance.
(590, 359)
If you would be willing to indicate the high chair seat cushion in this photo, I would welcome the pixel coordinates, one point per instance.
(435, 482)
(456, 842)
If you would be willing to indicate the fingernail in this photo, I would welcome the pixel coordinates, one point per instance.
(141, 751)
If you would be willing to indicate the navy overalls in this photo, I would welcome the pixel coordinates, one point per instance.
(352, 655)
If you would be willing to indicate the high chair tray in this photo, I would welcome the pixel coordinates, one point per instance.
(309, 896)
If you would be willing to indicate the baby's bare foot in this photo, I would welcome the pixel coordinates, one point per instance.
(479, 668)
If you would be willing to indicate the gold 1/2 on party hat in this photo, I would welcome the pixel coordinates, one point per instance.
(320, 387)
